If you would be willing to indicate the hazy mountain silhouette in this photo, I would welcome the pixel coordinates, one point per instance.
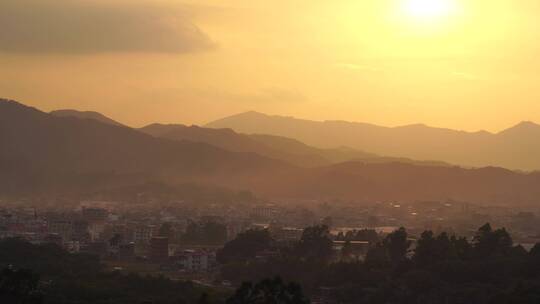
(515, 148)
(277, 147)
(46, 152)
(86, 115)
(42, 153)
(232, 141)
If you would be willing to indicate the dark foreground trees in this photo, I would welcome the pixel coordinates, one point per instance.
(269, 291)
(19, 286)
(487, 269)
(245, 246)
(315, 244)
(443, 268)
(79, 279)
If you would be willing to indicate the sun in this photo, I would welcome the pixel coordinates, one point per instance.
(428, 10)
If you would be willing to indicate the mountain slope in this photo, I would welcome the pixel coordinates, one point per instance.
(86, 115)
(232, 141)
(408, 182)
(277, 147)
(44, 154)
(515, 148)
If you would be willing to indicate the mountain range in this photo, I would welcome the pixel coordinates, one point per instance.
(44, 152)
(47, 154)
(277, 147)
(516, 148)
(86, 115)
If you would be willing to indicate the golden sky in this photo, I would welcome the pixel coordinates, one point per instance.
(463, 64)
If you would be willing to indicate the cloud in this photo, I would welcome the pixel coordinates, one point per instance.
(91, 26)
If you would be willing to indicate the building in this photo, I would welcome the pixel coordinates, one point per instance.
(143, 233)
(263, 212)
(93, 215)
(81, 230)
(196, 260)
(63, 228)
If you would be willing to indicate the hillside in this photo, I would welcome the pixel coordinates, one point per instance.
(408, 182)
(232, 141)
(514, 148)
(86, 115)
(42, 152)
(45, 154)
(277, 147)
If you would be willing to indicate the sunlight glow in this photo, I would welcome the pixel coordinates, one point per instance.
(428, 10)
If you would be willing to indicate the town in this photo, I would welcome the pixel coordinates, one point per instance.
(182, 240)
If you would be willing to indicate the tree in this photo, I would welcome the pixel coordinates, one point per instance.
(347, 250)
(535, 251)
(206, 233)
(488, 242)
(377, 257)
(392, 250)
(315, 243)
(203, 299)
(368, 235)
(269, 291)
(424, 253)
(397, 245)
(78, 278)
(461, 247)
(430, 250)
(19, 287)
(215, 233)
(245, 246)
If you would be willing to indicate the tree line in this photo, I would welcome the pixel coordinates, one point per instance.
(443, 268)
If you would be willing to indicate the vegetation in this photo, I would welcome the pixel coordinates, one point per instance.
(269, 291)
(245, 246)
(210, 233)
(368, 235)
(76, 278)
(19, 287)
(487, 269)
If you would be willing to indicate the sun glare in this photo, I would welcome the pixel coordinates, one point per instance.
(426, 10)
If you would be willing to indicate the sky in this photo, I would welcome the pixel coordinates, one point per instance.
(461, 64)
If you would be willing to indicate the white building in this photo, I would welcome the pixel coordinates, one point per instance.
(196, 260)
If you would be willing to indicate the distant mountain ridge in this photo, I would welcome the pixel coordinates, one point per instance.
(515, 148)
(43, 154)
(232, 141)
(277, 147)
(85, 115)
